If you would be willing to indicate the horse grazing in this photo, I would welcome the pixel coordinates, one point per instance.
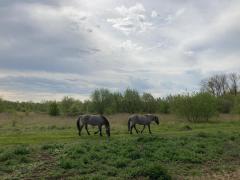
(142, 120)
(94, 120)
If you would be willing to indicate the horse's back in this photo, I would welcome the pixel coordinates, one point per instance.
(95, 120)
(140, 119)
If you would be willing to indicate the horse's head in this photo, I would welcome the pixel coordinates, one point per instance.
(156, 119)
(107, 125)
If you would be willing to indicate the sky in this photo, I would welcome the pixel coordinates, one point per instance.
(55, 48)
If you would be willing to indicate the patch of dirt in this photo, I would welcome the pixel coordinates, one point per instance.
(48, 162)
(223, 175)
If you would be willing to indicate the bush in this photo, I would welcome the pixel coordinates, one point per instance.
(53, 109)
(236, 105)
(225, 103)
(66, 104)
(196, 108)
(163, 106)
(75, 109)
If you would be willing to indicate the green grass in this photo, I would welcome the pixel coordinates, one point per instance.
(176, 149)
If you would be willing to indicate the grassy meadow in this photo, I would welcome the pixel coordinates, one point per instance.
(40, 146)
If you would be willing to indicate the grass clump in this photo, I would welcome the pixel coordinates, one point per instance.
(152, 171)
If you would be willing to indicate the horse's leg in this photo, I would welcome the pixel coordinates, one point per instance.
(96, 132)
(143, 128)
(135, 128)
(80, 130)
(131, 127)
(86, 127)
(100, 129)
(149, 129)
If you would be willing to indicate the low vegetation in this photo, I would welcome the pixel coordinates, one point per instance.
(178, 149)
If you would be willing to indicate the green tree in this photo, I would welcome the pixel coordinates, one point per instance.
(163, 105)
(66, 105)
(53, 109)
(149, 103)
(132, 101)
(101, 99)
(117, 103)
(76, 108)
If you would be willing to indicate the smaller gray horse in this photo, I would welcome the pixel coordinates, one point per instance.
(142, 120)
(94, 120)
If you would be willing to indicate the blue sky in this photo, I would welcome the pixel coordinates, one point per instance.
(50, 49)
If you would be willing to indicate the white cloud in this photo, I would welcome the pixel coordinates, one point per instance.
(180, 12)
(128, 45)
(131, 20)
(154, 14)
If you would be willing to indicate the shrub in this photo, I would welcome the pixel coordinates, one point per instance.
(75, 109)
(225, 103)
(236, 106)
(163, 106)
(198, 107)
(66, 104)
(53, 109)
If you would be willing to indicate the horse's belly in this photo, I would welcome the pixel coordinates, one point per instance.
(94, 122)
(142, 123)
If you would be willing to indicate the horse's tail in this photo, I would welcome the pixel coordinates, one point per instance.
(129, 122)
(78, 122)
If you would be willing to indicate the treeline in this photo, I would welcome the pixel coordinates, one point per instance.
(219, 94)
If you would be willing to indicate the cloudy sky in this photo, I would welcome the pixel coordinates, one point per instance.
(53, 48)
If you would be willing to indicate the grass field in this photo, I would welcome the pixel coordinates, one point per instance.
(38, 146)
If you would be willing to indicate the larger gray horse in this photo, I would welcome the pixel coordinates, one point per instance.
(94, 120)
(144, 120)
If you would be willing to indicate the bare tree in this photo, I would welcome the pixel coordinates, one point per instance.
(234, 79)
(216, 85)
(224, 86)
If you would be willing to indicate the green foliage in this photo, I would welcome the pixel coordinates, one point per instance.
(195, 108)
(132, 101)
(53, 109)
(153, 172)
(225, 103)
(236, 105)
(101, 99)
(66, 105)
(149, 103)
(76, 108)
(163, 106)
(117, 104)
(1, 105)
